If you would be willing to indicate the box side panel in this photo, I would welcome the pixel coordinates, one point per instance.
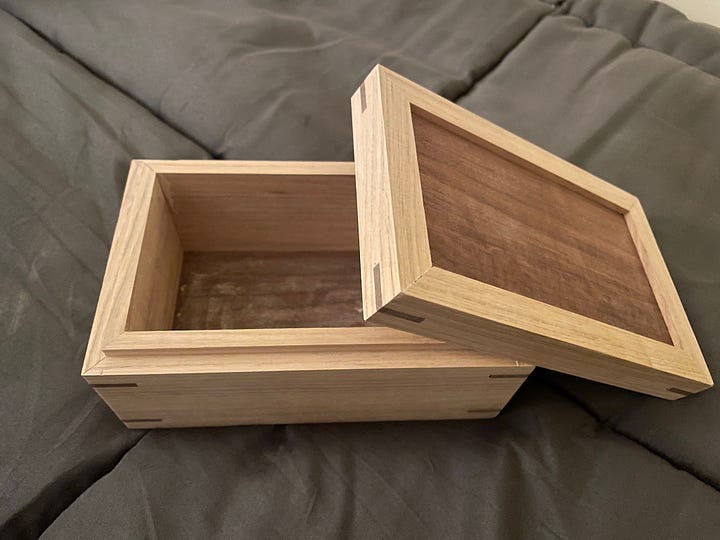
(664, 289)
(272, 211)
(152, 303)
(453, 308)
(307, 396)
(376, 227)
(410, 227)
(114, 300)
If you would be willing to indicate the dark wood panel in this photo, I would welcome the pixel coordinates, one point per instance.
(220, 290)
(496, 221)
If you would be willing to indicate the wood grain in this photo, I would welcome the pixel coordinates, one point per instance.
(220, 290)
(111, 314)
(498, 222)
(326, 395)
(531, 257)
(662, 285)
(463, 311)
(376, 230)
(261, 211)
(274, 244)
(155, 287)
(512, 147)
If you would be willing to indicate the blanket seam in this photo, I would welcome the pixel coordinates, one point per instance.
(684, 467)
(559, 12)
(492, 67)
(62, 50)
(114, 466)
(636, 44)
(14, 523)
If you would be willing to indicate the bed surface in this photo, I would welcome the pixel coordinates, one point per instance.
(629, 90)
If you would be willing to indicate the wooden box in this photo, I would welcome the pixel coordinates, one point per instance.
(472, 235)
(232, 295)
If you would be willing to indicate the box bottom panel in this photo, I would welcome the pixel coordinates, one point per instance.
(225, 290)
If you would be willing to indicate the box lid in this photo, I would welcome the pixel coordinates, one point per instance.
(473, 235)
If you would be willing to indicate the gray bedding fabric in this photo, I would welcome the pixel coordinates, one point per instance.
(66, 139)
(629, 90)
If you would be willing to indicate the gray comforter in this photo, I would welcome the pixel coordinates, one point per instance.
(629, 90)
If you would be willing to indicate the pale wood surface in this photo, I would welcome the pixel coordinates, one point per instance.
(112, 310)
(162, 378)
(254, 211)
(661, 282)
(308, 396)
(403, 177)
(450, 306)
(204, 169)
(159, 361)
(152, 303)
(378, 337)
(463, 311)
(379, 265)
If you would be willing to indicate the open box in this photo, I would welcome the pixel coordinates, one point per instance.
(232, 295)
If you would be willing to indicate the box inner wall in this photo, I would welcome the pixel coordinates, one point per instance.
(501, 222)
(254, 252)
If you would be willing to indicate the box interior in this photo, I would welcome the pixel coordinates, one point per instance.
(504, 222)
(223, 251)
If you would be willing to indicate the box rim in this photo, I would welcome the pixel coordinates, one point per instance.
(109, 341)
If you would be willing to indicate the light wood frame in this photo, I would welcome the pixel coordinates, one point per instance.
(154, 377)
(403, 289)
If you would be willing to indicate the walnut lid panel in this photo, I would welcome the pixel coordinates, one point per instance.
(473, 235)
